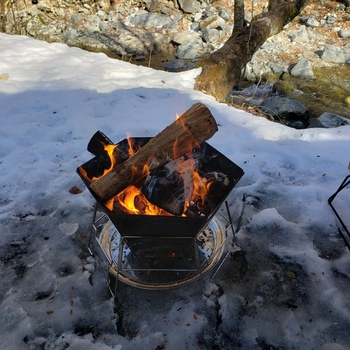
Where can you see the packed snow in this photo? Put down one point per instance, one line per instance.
(284, 286)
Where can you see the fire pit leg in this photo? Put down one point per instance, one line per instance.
(93, 229)
(229, 220)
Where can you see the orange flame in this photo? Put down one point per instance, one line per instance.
(132, 201)
(199, 186)
(109, 149)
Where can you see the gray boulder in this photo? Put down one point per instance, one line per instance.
(329, 120)
(210, 35)
(184, 37)
(300, 35)
(189, 6)
(344, 33)
(189, 50)
(335, 54)
(283, 107)
(146, 19)
(302, 69)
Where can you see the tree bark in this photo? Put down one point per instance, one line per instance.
(222, 70)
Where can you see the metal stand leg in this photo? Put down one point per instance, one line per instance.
(229, 220)
(346, 237)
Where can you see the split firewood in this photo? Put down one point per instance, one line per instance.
(184, 135)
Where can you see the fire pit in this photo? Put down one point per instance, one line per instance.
(160, 226)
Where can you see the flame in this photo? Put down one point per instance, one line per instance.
(132, 201)
(131, 150)
(198, 186)
(109, 149)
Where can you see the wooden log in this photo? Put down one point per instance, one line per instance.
(186, 133)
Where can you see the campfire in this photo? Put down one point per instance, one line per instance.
(171, 184)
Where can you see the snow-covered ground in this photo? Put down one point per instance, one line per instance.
(285, 287)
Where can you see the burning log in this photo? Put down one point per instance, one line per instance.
(184, 135)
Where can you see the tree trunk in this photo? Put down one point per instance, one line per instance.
(221, 70)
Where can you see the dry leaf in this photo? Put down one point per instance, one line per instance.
(75, 190)
(71, 302)
(49, 312)
(276, 225)
(188, 324)
(195, 316)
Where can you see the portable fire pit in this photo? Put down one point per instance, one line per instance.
(157, 218)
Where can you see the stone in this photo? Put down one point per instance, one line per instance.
(226, 14)
(44, 6)
(70, 34)
(331, 18)
(184, 37)
(335, 54)
(312, 22)
(76, 18)
(146, 19)
(212, 22)
(210, 35)
(329, 120)
(103, 26)
(188, 51)
(302, 69)
(344, 33)
(189, 6)
(277, 68)
(283, 107)
(300, 35)
(176, 66)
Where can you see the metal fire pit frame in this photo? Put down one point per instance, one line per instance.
(100, 244)
(345, 235)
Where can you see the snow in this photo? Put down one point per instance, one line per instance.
(285, 287)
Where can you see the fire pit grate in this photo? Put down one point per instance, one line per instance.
(160, 199)
(157, 262)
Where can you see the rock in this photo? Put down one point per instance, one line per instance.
(76, 18)
(329, 120)
(300, 35)
(44, 6)
(331, 18)
(344, 33)
(176, 66)
(146, 19)
(189, 6)
(189, 50)
(277, 69)
(212, 22)
(210, 35)
(302, 69)
(103, 26)
(226, 14)
(70, 35)
(283, 107)
(335, 54)
(184, 37)
(312, 22)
